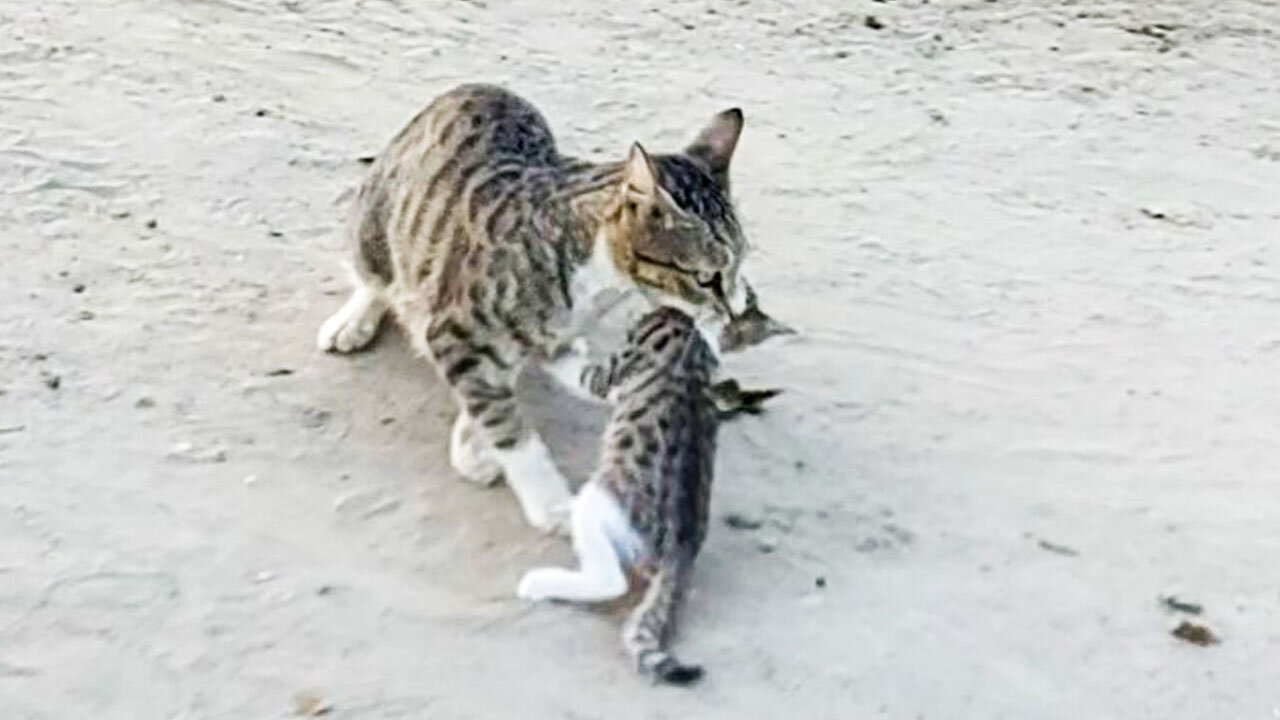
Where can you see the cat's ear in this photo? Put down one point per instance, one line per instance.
(714, 145)
(640, 176)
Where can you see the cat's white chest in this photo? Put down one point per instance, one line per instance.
(595, 288)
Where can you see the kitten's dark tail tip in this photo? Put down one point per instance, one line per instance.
(670, 671)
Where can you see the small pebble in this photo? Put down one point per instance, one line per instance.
(820, 582)
(766, 546)
(79, 288)
(188, 452)
(364, 504)
(152, 224)
(738, 521)
(873, 22)
(219, 97)
(314, 418)
(144, 402)
(260, 112)
(308, 703)
(86, 315)
(1175, 604)
(53, 382)
(1195, 634)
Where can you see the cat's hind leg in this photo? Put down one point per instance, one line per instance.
(596, 524)
(356, 324)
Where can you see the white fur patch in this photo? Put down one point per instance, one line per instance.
(710, 328)
(470, 455)
(539, 486)
(355, 324)
(604, 543)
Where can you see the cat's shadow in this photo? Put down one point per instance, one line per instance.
(571, 427)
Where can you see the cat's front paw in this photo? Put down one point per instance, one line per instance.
(552, 518)
(470, 455)
(559, 519)
(355, 325)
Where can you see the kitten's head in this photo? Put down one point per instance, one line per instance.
(671, 226)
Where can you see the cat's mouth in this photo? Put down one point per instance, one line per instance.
(712, 282)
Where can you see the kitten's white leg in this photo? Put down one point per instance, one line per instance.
(542, 491)
(570, 370)
(470, 454)
(356, 324)
(599, 576)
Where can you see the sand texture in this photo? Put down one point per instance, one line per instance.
(1032, 249)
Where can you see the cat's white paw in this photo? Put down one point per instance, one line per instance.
(470, 455)
(355, 325)
(542, 491)
(559, 519)
(551, 518)
(538, 584)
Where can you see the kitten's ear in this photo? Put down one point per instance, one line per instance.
(714, 145)
(640, 175)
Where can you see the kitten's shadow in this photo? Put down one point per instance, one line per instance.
(571, 427)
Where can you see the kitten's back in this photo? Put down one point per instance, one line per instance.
(658, 461)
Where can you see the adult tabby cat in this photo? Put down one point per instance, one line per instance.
(489, 245)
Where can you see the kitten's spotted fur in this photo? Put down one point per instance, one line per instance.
(488, 245)
(646, 507)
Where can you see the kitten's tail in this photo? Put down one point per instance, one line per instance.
(650, 625)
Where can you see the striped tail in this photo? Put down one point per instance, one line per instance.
(650, 625)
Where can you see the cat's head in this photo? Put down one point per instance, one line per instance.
(671, 226)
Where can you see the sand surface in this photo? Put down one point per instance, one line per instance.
(1033, 250)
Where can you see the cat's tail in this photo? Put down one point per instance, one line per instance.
(650, 625)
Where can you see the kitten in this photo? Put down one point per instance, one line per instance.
(646, 506)
(488, 245)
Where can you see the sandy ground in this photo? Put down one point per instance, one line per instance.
(1034, 250)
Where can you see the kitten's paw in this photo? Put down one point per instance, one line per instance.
(355, 325)
(537, 584)
(569, 366)
(579, 346)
